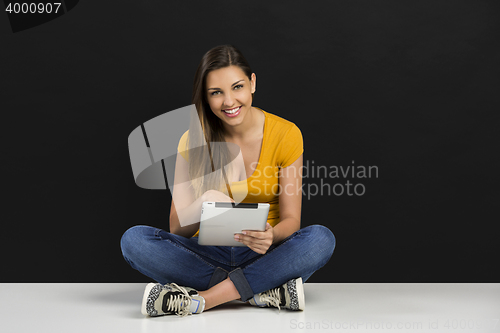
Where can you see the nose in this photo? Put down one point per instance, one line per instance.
(228, 100)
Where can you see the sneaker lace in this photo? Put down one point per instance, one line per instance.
(272, 297)
(179, 303)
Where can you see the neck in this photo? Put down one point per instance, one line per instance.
(249, 125)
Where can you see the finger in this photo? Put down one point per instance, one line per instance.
(268, 226)
(260, 249)
(243, 239)
(266, 240)
(256, 243)
(254, 234)
(246, 240)
(257, 249)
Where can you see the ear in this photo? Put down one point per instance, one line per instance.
(253, 82)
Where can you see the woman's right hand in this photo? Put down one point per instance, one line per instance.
(216, 196)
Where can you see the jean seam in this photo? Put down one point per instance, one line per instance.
(217, 259)
(188, 250)
(157, 234)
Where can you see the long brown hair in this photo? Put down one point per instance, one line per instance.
(206, 164)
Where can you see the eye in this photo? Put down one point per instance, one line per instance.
(214, 93)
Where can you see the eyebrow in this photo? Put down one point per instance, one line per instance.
(220, 88)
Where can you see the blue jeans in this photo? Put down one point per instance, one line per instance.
(168, 258)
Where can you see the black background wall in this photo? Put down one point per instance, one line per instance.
(410, 87)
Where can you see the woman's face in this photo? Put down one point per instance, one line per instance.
(229, 94)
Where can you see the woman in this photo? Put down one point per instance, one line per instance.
(271, 268)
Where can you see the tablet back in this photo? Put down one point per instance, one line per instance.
(221, 220)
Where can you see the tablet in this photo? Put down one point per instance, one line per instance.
(221, 220)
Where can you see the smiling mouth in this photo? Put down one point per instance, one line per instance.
(232, 111)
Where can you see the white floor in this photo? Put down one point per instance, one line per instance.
(342, 307)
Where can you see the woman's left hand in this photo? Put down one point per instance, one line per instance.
(258, 241)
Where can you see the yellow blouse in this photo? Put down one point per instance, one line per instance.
(281, 146)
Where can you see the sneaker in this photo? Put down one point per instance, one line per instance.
(167, 299)
(288, 296)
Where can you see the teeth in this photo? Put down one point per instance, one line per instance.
(231, 111)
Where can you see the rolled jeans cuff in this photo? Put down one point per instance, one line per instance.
(219, 275)
(240, 282)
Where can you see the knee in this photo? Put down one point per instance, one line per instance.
(323, 238)
(131, 240)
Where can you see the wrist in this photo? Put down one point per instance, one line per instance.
(275, 237)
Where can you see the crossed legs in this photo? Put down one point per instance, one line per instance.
(223, 274)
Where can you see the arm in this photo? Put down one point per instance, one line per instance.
(186, 208)
(290, 201)
(189, 230)
(185, 214)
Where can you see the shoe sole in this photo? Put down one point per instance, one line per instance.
(300, 293)
(145, 298)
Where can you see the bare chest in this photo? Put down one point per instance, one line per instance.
(250, 155)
